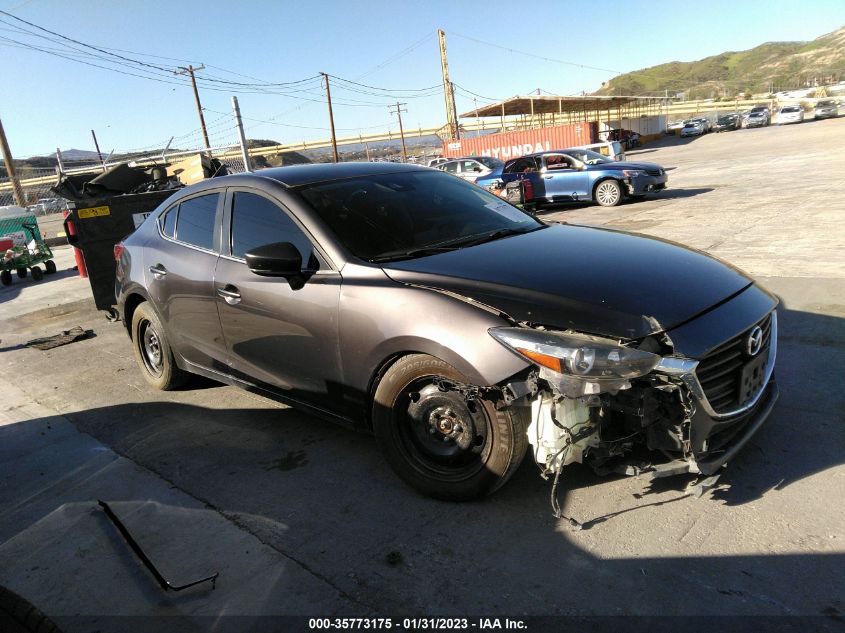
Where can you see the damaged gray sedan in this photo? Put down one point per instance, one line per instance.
(457, 328)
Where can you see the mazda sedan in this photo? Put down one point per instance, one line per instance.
(456, 327)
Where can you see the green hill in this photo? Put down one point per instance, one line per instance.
(778, 65)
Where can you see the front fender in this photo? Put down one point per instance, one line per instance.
(381, 318)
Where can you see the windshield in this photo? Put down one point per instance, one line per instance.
(411, 214)
(824, 104)
(490, 162)
(588, 156)
(791, 109)
(689, 125)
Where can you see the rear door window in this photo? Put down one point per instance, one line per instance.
(257, 221)
(522, 165)
(168, 222)
(195, 223)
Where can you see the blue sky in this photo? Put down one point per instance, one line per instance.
(48, 102)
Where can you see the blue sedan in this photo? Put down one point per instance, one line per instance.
(576, 175)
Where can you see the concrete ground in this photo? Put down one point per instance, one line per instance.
(302, 517)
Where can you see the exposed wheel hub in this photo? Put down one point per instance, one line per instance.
(443, 423)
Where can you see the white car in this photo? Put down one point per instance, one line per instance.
(692, 128)
(434, 162)
(790, 114)
(471, 168)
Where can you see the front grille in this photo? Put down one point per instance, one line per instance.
(654, 172)
(720, 372)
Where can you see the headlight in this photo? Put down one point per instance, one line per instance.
(581, 364)
(630, 173)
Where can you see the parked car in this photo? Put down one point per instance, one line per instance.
(790, 114)
(706, 125)
(612, 150)
(674, 125)
(457, 328)
(758, 116)
(826, 109)
(472, 167)
(726, 122)
(574, 175)
(437, 161)
(692, 128)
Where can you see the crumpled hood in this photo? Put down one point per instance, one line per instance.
(593, 280)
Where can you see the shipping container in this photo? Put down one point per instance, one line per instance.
(507, 145)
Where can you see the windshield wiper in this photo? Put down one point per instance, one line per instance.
(451, 245)
(498, 234)
(416, 252)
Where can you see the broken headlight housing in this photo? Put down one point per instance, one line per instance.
(578, 364)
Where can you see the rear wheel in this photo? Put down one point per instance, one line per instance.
(439, 442)
(50, 265)
(37, 273)
(152, 350)
(6, 277)
(608, 193)
(22, 272)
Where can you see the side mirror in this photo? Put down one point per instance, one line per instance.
(281, 259)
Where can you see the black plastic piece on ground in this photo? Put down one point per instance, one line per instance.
(165, 584)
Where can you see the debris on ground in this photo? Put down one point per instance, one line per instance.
(57, 340)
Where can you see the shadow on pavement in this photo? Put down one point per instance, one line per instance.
(324, 496)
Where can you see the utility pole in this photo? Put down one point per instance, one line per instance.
(99, 153)
(331, 116)
(398, 113)
(190, 71)
(10, 168)
(241, 138)
(448, 89)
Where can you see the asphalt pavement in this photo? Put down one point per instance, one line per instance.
(302, 517)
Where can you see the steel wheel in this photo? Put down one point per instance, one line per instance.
(440, 431)
(608, 193)
(150, 348)
(437, 440)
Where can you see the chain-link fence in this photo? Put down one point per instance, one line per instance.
(35, 188)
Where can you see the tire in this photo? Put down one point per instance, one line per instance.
(37, 273)
(607, 193)
(19, 616)
(412, 418)
(22, 273)
(50, 265)
(6, 277)
(152, 350)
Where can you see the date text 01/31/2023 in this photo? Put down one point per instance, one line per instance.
(415, 624)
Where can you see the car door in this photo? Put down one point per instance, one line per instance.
(526, 168)
(562, 180)
(179, 277)
(280, 336)
(472, 169)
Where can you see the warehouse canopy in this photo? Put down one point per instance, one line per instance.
(546, 104)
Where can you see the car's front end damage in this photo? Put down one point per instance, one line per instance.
(594, 400)
(638, 354)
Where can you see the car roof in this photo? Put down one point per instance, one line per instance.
(296, 175)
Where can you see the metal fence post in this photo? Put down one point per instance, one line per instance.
(241, 137)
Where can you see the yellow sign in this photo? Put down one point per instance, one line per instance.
(93, 212)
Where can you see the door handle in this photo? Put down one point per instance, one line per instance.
(230, 294)
(158, 271)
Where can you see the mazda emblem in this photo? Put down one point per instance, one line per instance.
(754, 341)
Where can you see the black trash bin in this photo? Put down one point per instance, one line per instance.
(99, 224)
